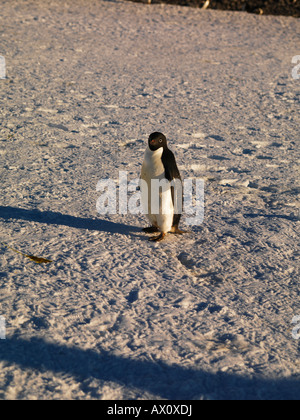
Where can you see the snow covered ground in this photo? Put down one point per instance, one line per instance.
(207, 315)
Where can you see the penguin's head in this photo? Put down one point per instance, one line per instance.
(157, 140)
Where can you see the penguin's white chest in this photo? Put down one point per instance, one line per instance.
(156, 192)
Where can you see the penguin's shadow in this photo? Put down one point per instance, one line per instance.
(54, 218)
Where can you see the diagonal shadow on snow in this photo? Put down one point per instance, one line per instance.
(55, 218)
(160, 378)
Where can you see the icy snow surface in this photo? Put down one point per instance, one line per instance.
(207, 315)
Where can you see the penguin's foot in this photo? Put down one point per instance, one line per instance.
(157, 238)
(151, 229)
(177, 231)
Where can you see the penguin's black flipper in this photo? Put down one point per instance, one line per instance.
(172, 173)
(170, 165)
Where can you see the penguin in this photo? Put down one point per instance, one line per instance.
(160, 164)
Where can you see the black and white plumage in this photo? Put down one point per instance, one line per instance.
(160, 164)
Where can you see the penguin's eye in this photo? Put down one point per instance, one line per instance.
(160, 140)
